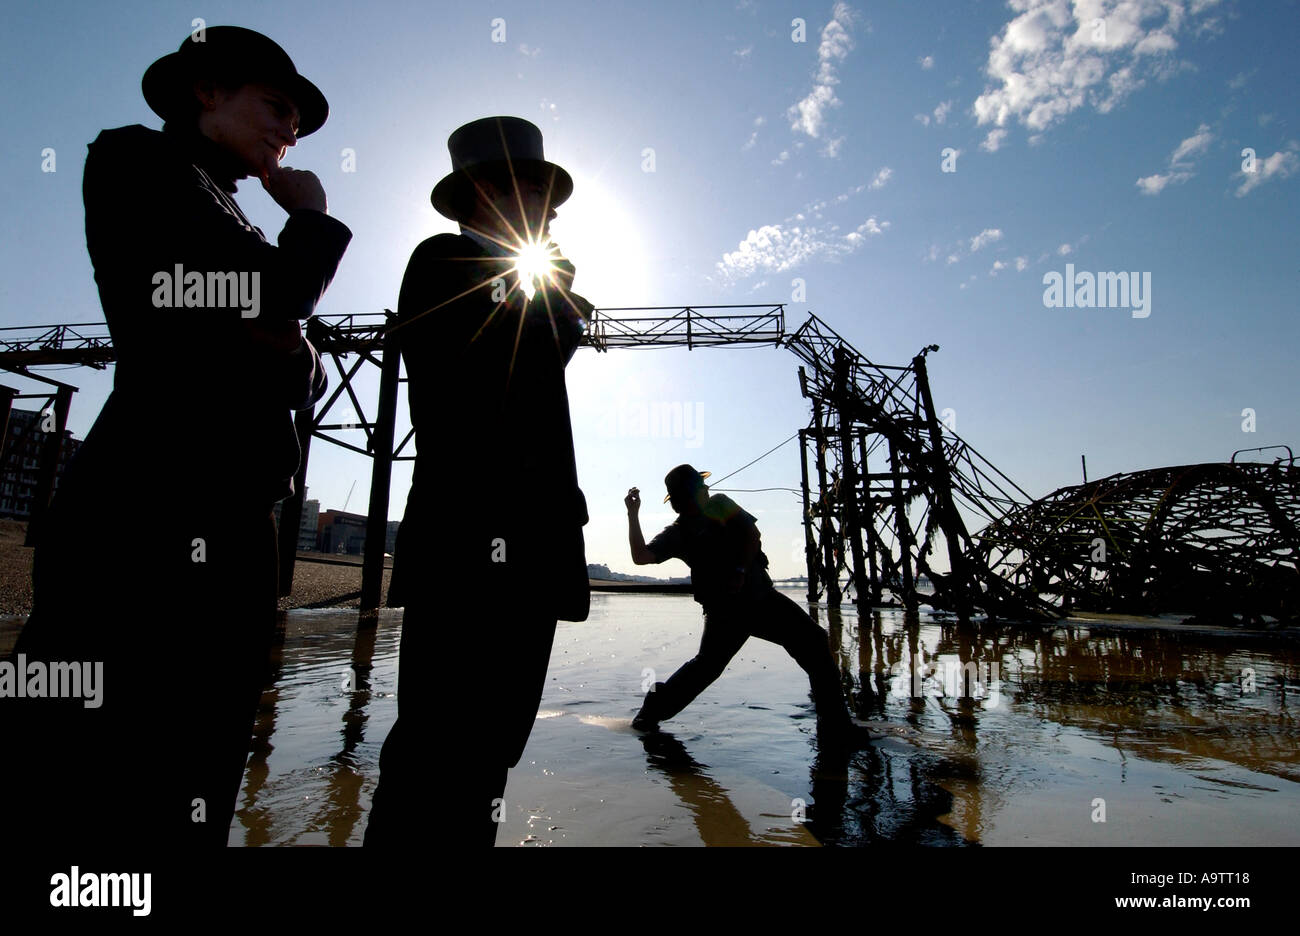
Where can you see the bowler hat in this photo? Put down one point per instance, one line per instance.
(683, 480)
(500, 149)
(229, 53)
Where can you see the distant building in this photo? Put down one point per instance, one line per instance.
(341, 532)
(307, 529)
(20, 461)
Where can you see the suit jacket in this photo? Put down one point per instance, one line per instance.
(494, 498)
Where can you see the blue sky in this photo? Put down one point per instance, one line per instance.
(1112, 145)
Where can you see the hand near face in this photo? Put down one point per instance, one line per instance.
(294, 189)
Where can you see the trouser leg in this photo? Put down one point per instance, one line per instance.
(183, 666)
(777, 619)
(467, 701)
(723, 637)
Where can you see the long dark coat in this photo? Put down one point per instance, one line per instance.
(495, 475)
(157, 556)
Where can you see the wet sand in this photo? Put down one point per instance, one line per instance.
(1154, 723)
(1171, 734)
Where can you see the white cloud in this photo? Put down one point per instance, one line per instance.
(776, 248)
(1280, 165)
(941, 112)
(926, 61)
(809, 115)
(743, 54)
(530, 51)
(1051, 59)
(832, 147)
(1179, 165)
(986, 236)
(1065, 250)
(1194, 145)
(993, 142)
(783, 158)
(997, 266)
(1021, 263)
(882, 178)
(924, 119)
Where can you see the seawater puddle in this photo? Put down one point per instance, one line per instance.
(1170, 736)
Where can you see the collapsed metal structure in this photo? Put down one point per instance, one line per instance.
(888, 485)
(1218, 538)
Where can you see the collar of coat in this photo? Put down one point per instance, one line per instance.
(223, 168)
(486, 243)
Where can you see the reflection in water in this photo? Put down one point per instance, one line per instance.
(990, 734)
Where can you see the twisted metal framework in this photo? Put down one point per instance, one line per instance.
(865, 414)
(1220, 537)
(1217, 538)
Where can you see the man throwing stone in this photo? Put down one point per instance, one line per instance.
(722, 545)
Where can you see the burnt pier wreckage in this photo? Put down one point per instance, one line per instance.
(887, 487)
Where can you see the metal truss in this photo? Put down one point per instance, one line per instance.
(1217, 538)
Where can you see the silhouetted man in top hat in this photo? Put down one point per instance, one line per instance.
(721, 543)
(490, 551)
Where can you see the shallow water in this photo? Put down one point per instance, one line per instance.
(1188, 736)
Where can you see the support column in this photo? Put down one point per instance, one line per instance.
(954, 531)
(291, 510)
(809, 543)
(372, 566)
(830, 572)
(906, 546)
(870, 525)
(7, 395)
(850, 529)
(51, 450)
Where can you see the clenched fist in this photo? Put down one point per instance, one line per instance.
(293, 189)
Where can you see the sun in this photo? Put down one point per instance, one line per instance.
(535, 260)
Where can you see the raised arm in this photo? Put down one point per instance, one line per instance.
(640, 554)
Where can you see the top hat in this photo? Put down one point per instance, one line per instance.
(230, 53)
(683, 480)
(496, 148)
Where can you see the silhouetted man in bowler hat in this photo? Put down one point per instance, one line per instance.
(490, 551)
(196, 444)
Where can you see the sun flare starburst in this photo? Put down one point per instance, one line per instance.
(534, 261)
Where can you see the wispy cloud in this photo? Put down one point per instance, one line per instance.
(1278, 166)
(1180, 166)
(926, 61)
(1054, 57)
(882, 178)
(985, 237)
(809, 115)
(776, 248)
(993, 142)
